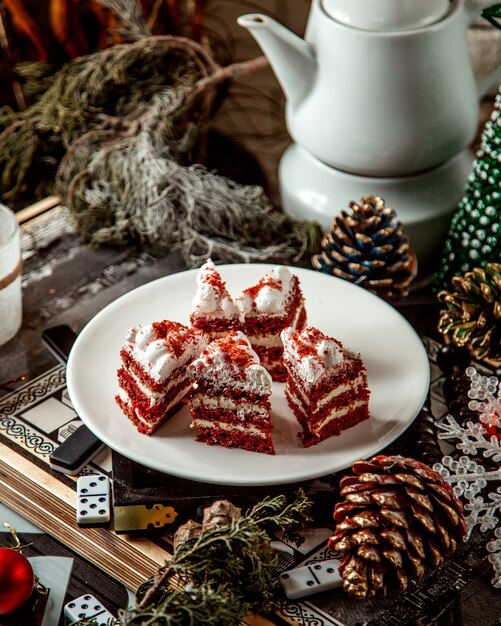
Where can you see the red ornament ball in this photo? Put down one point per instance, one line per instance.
(17, 580)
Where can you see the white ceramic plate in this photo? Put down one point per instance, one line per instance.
(395, 358)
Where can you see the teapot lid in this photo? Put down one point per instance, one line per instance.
(386, 15)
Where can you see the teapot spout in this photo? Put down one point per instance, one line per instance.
(291, 57)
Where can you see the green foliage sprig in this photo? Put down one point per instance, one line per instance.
(223, 574)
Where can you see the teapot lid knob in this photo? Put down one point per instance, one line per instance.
(386, 15)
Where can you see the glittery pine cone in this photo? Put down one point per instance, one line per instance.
(472, 317)
(398, 517)
(368, 247)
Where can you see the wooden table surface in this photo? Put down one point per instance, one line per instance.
(67, 282)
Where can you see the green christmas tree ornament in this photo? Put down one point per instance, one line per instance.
(474, 237)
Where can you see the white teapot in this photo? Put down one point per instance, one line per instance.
(387, 102)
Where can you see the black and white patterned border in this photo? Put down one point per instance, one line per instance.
(30, 394)
(307, 614)
(18, 430)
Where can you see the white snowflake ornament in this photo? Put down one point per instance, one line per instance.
(495, 557)
(469, 478)
(484, 399)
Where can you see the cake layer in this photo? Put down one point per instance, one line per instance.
(334, 393)
(264, 333)
(326, 384)
(300, 322)
(336, 420)
(215, 328)
(360, 397)
(153, 379)
(343, 407)
(214, 435)
(230, 402)
(261, 325)
(252, 431)
(316, 422)
(130, 364)
(225, 409)
(272, 361)
(261, 331)
(142, 401)
(248, 416)
(144, 421)
(215, 388)
(347, 374)
(142, 393)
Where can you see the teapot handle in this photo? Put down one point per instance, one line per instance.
(473, 7)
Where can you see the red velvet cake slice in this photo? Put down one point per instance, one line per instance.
(230, 403)
(153, 378)
(261, 312)
(276, 302)
(213, 310)
(326, 384)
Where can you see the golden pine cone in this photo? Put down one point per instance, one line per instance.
(368, 247)
(398, 516)
(472, 316)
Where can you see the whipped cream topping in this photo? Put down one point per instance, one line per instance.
(211, 296)
(231, 361)
(313, 353)
(269, 295)
(330, 353)
(160, 353)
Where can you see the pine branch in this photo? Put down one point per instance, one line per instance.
(111, 134)
(236, 555)
(276, 514)
(202, 605)
(229, 72)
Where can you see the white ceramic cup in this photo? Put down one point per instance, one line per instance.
(386, 15)
(10, 276)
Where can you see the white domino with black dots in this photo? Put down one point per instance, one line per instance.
(310, 579)
(93, 500)
(88, 607)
